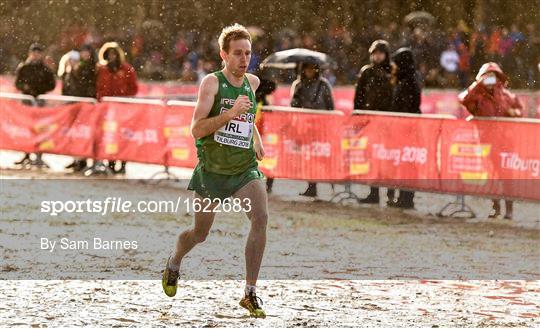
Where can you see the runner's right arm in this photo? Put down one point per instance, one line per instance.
(202, 125)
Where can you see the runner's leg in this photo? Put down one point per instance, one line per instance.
(189, 238)
(255, 191)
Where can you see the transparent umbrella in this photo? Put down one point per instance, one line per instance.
(289, 59)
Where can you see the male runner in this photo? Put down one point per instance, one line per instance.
(228, 147)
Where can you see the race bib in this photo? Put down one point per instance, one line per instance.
(236, 132)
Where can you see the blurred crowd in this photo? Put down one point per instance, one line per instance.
(445, 59)
(400, 65)
(84, 74)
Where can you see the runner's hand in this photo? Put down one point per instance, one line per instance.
(259, 151)
(241, 105)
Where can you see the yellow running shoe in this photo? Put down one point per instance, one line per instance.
(169, 280)
(251, 303)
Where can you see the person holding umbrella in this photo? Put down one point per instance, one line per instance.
(311, 91)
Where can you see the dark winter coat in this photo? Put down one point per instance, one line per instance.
(312, 94)
(374, 88)
(80, 82)
(34, 78)
(407, 94)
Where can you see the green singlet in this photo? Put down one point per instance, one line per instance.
(227, 160)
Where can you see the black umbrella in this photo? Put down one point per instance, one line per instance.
(288, 59)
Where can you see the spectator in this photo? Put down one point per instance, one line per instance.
(488, 97)
(531, 53)
(86, 72)
(516, 35)
(374, 92)
(78, 73)
(450, 62)
(115, 77)
(311, 91)
(153, 67)
(493, 44)
(464, 64)
(478, 46)
(505, 48)
(158, 59)
(34, 78)
(406, 98)
(266, 87)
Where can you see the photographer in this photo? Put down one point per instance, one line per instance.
(488, 97)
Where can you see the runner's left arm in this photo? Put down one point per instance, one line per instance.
(257, 141)
(257, 144)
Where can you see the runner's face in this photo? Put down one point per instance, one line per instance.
(238, 57)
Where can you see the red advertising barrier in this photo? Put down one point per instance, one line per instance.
(16, 127)
(67, 129)
(302, 145)
(490, 157)
(483, 157)
(181, 150)
(392, 150)
(132, 132)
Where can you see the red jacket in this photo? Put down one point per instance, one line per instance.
(479, 101)
(120, 83)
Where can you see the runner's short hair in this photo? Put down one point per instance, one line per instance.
(230, 33)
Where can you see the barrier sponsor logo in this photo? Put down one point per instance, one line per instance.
(357, 148)
(76, 132)
(110, 127)
(354, 143)
(176, 141)
(406, 154)
(468, 157)
(309, 150)
(512, 161)
(270, 160)
(140, 137)
(46, 145)
(43, 128)
(15, 131)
